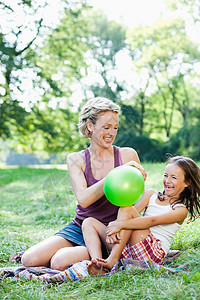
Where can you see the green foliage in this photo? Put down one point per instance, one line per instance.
(159, 46)
(162, 114)
(54, 130)
(148, 149)
(189, 135)
(106, 39)
(61, 57)
(54, 65)
(166, 101)
(12, 116)
(190, 7)
(167, 54)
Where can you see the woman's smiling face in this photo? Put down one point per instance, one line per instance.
(104, 131)
(174, 180)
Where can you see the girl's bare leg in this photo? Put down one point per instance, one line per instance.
(94, 232)
(136, 235)
(123, 214)
(133, 237)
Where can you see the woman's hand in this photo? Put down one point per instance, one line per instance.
(114, 228)
(133, 163)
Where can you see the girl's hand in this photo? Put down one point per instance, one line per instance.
(114, 228)
(133, 163)
(113, 239)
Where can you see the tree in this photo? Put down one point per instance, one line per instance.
(54, 132)
(61, 58)
(169, 56)
(190, 7)
(50, 60)
(12, 52)
(106, 40)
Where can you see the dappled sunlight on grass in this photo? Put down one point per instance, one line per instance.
(187, 236)
(16, 239)
(36, 194)
(8, 216)
(19, 187)
(49, 166)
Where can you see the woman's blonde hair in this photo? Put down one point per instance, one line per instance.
(91, 111)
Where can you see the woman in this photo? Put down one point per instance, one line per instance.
(98, 120)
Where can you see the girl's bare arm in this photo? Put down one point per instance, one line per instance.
(177, 215)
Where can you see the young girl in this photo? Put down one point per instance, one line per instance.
(148, 236)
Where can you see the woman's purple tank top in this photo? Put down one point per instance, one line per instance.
(102, 209)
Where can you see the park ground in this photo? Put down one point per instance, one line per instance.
(37, 202)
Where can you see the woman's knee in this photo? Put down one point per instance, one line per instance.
(69, 255)
(57, 263)
(29, 259)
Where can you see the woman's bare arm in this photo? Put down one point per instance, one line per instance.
(84, 195)
(88, 195)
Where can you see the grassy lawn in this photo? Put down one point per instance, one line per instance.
(37, 202)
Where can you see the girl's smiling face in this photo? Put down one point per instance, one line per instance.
(104, 131)
(174, 180)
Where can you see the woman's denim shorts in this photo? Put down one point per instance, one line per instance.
(72, 233)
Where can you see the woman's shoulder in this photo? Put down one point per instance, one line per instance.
(128, 154)
(76, 158)
(126, 149)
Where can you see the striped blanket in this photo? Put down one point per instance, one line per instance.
(77, 271)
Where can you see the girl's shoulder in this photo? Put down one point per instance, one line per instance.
(151, 193)
(180, 205)
(144, 200)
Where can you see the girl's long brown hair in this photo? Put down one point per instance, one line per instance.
(190, 196)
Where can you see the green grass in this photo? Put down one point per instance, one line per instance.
(36, 202)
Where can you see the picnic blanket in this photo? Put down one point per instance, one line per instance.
(78, 271)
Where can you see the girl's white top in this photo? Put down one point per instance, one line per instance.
(165, 232)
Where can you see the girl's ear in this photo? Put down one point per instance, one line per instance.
(188, 183)
(89, 126)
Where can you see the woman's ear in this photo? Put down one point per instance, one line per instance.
(89, 126)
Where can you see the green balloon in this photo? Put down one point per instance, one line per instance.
(124, 185)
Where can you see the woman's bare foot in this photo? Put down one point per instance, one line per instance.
(98, 267)
(16, 257)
